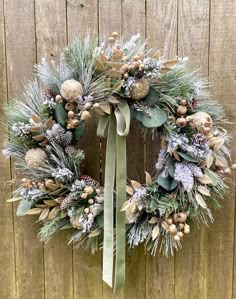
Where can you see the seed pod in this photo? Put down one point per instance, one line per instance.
(181, 217)
(88, 190)
(186, 230)
(88, 106)
(114, 34)
(58, 99)
(90, 201)
(111, 39)
(176, 238)
(184, 102)
(140, 89)
(169, 221)
(182, 110)
(86, 210)
(85, 115)
(71, 114)
(181, 122)
(180, 234)
(84, 195)
(172, 229)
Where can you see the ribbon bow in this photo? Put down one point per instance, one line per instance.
(116, 127)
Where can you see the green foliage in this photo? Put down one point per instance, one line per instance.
(79, 131)
(61, 114)
(23, 207)
(157, 119)
(152, 98)
(168, 183)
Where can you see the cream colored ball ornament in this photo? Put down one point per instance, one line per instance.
(35, 157)
(70, 90)
(140, 89)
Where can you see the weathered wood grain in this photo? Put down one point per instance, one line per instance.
(82, 18)
(161, 21)
(161, 34)
(219, 238)
(110, 19)
(203, 30)
(51, 37)
(21, 56)
(133, 22)
(193, 39)
(7, 254)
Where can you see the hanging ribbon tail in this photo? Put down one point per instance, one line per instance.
(108, 242)
(122, 114)
(116, 127)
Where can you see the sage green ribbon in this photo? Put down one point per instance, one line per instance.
(117, 123)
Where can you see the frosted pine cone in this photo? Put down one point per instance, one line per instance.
(59, 135)
(89, 181)
(184, 175)
(66, 202)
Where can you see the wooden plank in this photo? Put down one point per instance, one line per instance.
(7, 254)
(133, 21)
(51, 37)
(162, 34)
(219, 238)
(109, 20)
(193, 38)
(21, 55)
(82, 18)
(162, 26)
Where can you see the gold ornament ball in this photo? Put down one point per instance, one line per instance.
(74, 123)
(124, 68)
(125, 58)
(182, 110)
(181, 225)
(35, 157)
(180, 234)
(227, 171)
(169, 221)
(140, 89)
(233, 166)
(71, 90)
(181, 122)
(85, 115)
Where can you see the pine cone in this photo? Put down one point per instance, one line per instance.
(89, 181)
(66, 202)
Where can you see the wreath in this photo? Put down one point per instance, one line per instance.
(120, 81)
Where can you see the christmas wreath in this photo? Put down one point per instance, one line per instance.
(119, 80)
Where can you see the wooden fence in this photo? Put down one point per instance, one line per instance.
(204, 30)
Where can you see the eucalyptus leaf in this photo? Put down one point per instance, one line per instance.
(158, 118)
(152, 98)
(212, 176)
(78, 132)
(61, 114)
(166, 182)
(186, 157)
(171, 168)
(66, 226)
(23, 207)
(100, 220)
